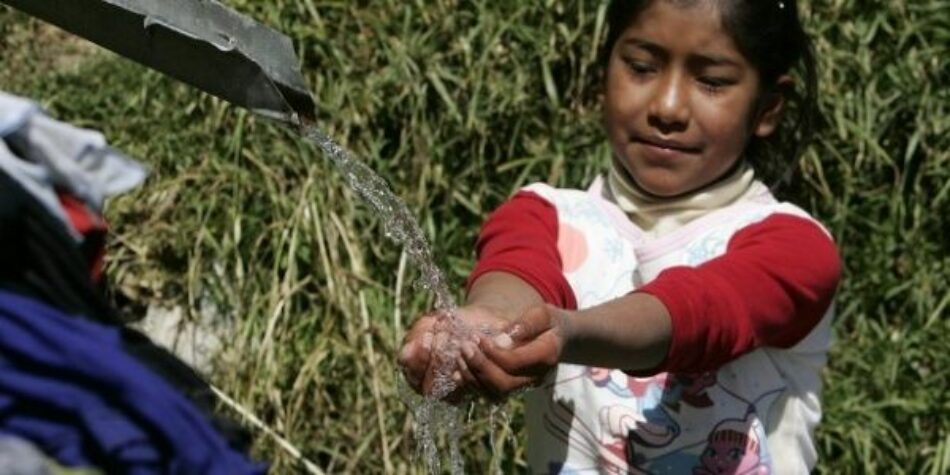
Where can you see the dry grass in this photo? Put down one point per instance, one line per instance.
(457, 104)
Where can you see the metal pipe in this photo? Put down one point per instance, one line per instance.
(199, 42)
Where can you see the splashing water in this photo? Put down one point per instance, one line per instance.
(398, 222)
(401, 226)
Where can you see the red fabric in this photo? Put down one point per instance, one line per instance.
(92, 227)
(770, 288)
(520, 238)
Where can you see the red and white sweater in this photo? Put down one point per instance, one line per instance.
(749, 288)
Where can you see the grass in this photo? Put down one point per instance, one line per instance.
(457, 104)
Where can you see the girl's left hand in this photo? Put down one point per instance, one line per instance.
(519, 357)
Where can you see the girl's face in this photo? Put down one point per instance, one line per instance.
(681, 101)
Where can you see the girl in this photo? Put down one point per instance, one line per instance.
(674, 317)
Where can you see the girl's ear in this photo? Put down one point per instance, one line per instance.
(772, 106)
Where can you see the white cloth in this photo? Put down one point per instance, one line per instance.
(43, 154)
(19, 457)
(755, 414)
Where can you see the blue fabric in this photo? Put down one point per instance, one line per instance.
(67, 386)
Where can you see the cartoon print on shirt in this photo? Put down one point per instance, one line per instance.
(649, 422)
(559, 421)
(705, 249)
(733, 448)
(619, 422)
(604, 443)
(715, 243)
(613, 248)
(690, 388)
(653, 426)
(660, 427)
(649, 418)
(603, 378)
(640, 432)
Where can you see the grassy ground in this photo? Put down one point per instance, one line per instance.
(457, 104)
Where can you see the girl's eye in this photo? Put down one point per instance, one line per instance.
(713, 83)
(639, 67)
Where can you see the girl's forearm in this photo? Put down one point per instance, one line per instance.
(632, 333)
(506, 295)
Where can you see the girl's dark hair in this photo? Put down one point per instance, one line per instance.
(769, 34)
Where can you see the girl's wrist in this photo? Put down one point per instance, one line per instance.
(630, 332)
(567, 330)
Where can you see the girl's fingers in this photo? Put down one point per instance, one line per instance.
(423, 324)
(465, 375)
(415, 360)
(492, 378)
(460, 393)
(471, 382)
(416, 347)
(535, 321)
(465, 383)
(441, 365)
(532, 359)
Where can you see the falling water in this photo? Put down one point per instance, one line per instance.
(401, 226)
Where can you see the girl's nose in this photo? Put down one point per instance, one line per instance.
(669, 111)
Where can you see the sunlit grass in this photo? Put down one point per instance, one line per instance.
(457, 104)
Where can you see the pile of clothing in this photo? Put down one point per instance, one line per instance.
(80, 392)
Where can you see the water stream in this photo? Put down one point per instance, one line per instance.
(400, 225)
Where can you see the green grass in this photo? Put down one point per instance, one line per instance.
(457, 104)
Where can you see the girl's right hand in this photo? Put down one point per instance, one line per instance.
(415, 355)
(433, 345)
(520, 356)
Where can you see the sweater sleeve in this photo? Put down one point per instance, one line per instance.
(771, 287)
(520, 238)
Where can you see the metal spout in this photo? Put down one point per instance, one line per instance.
(200, 42)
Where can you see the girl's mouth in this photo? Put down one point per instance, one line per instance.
(666, 144)
(662, 149)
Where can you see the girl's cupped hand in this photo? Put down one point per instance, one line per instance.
(432, 349)
(518, 357)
